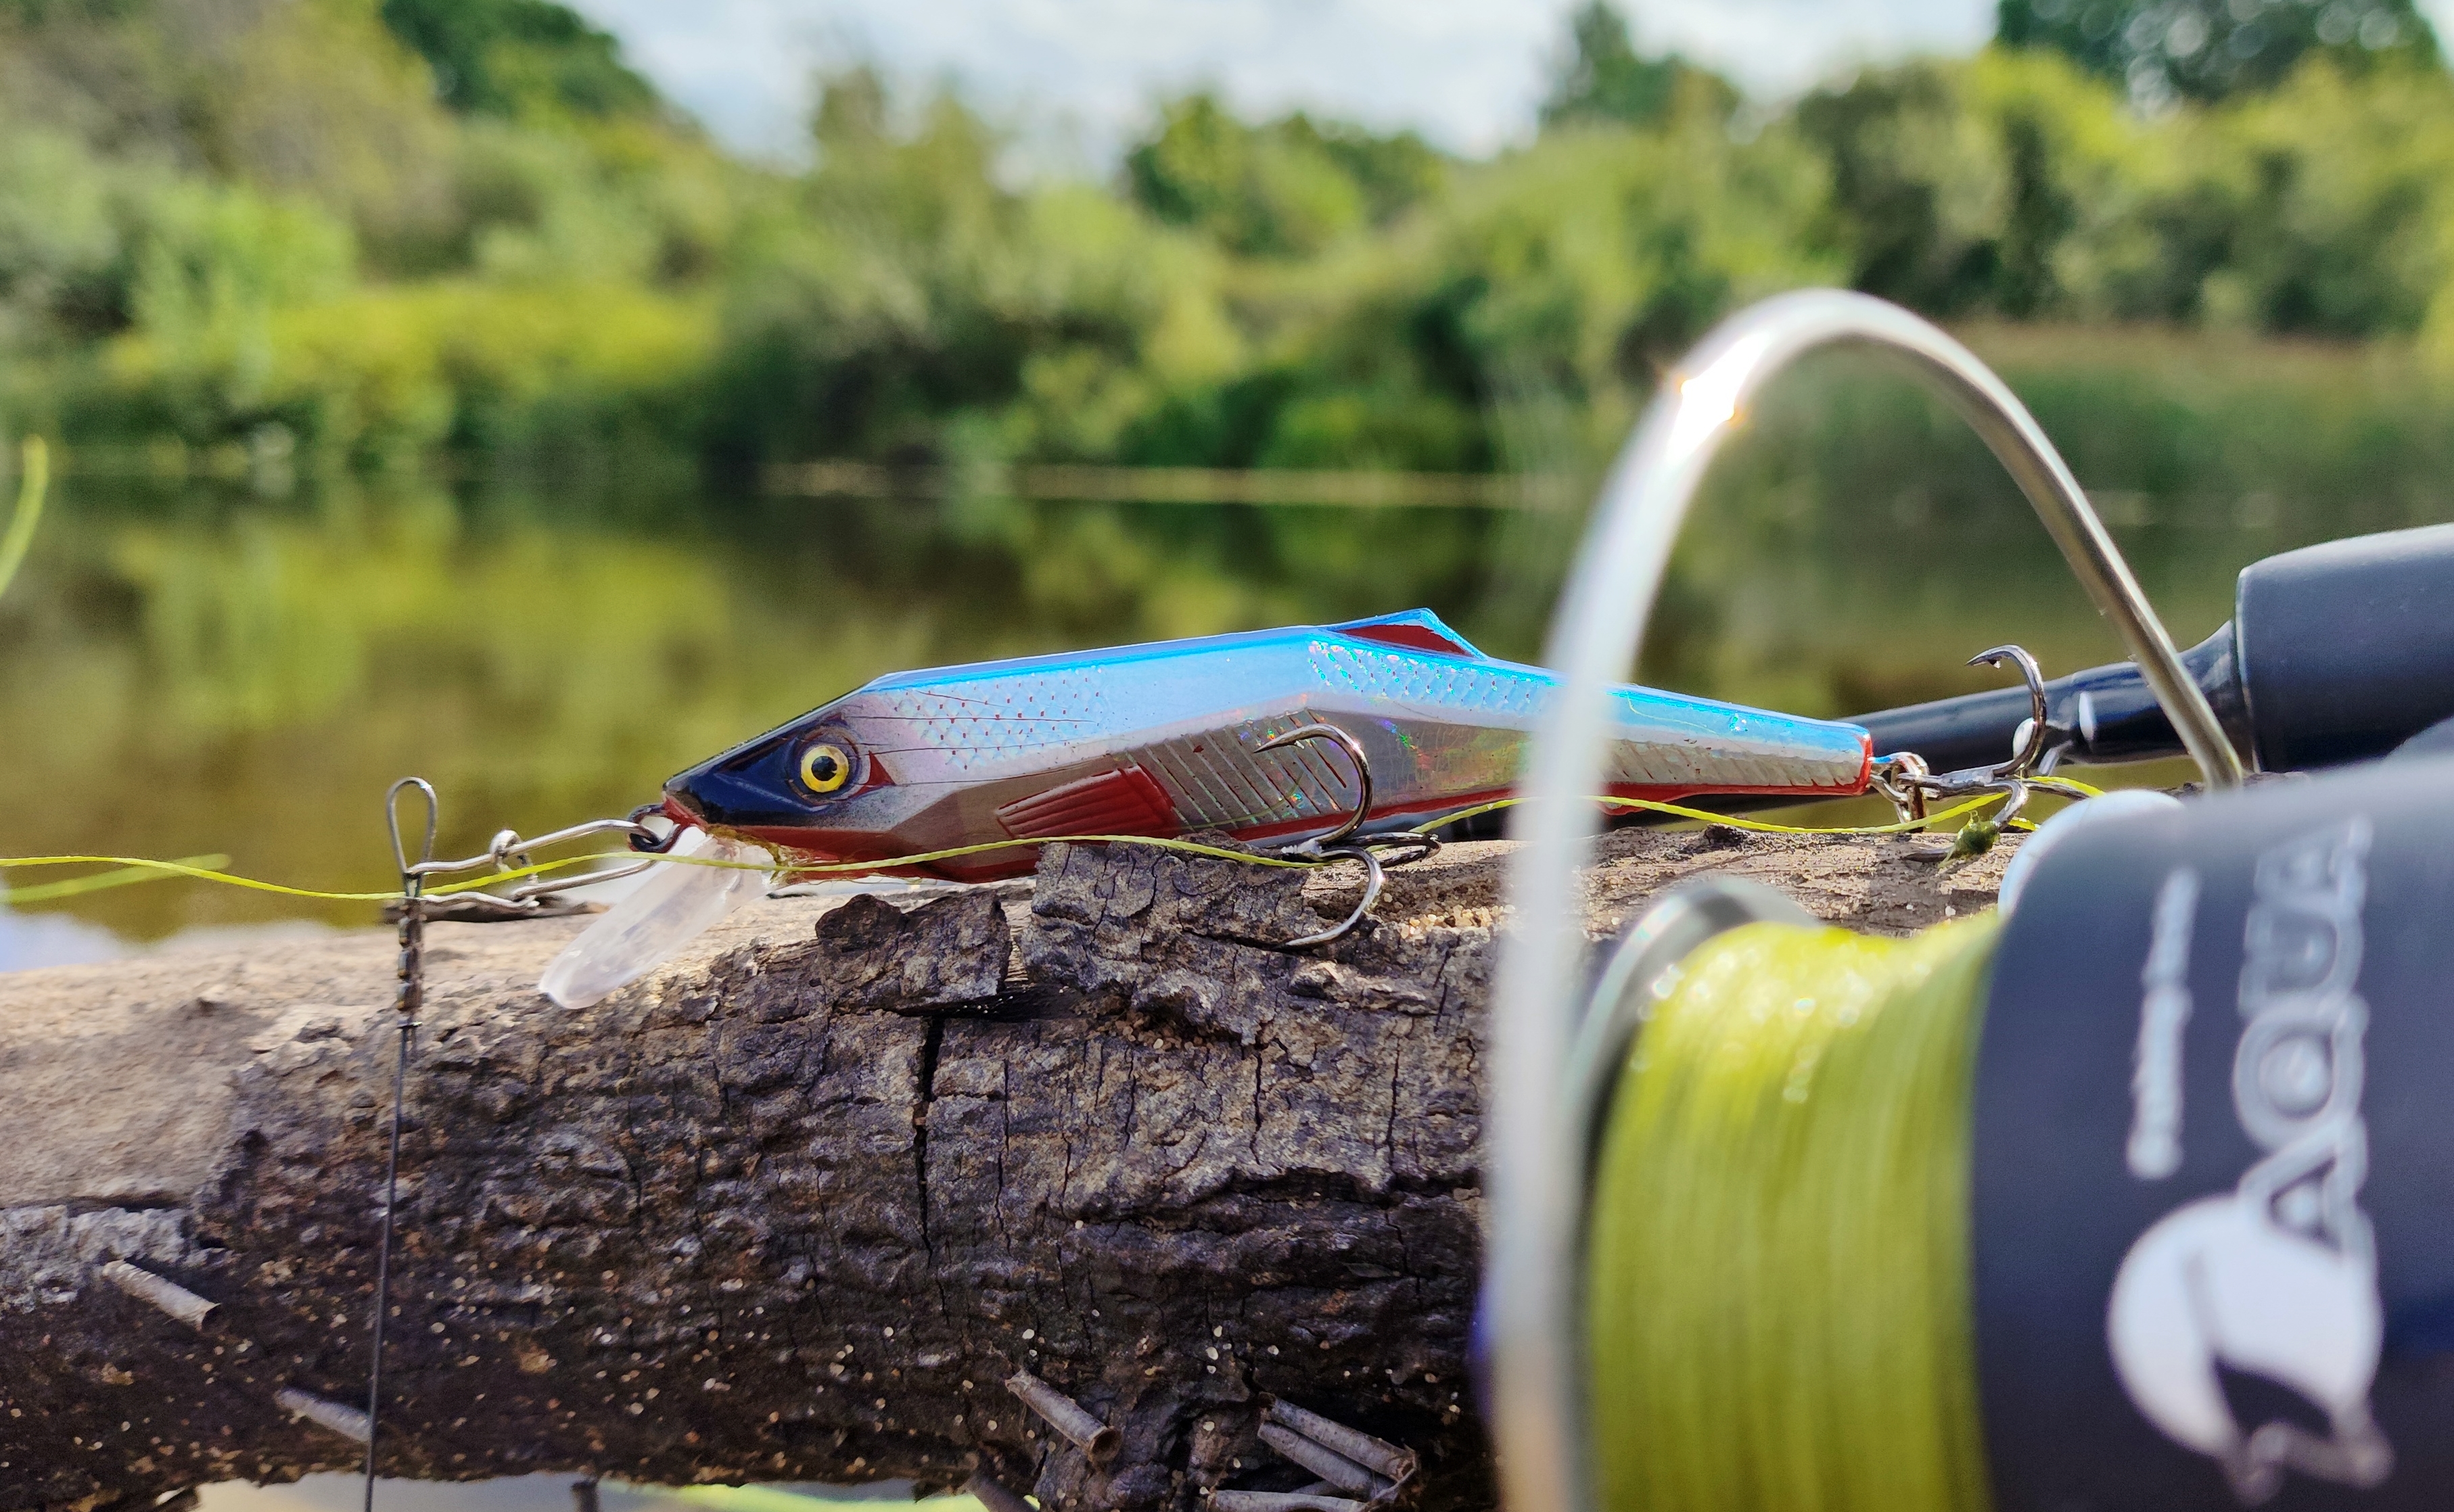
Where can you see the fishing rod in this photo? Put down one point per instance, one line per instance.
(2125, 1196)
(2335, 653)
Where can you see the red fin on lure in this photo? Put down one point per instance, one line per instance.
(1125, 802)
(1414, 630)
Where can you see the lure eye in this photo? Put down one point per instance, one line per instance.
(825, 769)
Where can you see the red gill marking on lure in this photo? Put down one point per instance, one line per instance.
(1125, 802)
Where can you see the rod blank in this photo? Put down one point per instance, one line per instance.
(1097, 1441)
(170, 1296)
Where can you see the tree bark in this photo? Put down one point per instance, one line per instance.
(796, 1206)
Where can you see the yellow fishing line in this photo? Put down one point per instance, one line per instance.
(103, 882)
(1760, 825)
(34, 482)
(1776, 1274)
(207, 873)
(197, 873)
(518, 873)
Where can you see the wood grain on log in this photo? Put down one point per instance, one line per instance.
(796, 1208)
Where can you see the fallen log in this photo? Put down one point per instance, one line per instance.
(798, 1207)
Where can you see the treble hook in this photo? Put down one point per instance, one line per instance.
(1353, 748)
(2023, 761)
(1373, 878)
(1327, 847)
(1903, 779)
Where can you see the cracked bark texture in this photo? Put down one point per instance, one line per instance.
(796, 1206)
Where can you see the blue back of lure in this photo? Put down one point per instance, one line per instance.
(1160, 740)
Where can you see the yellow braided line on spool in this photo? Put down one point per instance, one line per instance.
(1777, 1277)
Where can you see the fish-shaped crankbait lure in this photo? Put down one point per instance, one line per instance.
(1166, 740)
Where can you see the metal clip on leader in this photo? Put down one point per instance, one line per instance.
(1531, 1316)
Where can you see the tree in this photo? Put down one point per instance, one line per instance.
(2166, 50)
(1604, 77)
(1285, 188)
(509, 57)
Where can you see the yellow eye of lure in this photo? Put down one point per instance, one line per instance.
(825, 769)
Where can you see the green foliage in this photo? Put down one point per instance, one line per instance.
(58, 238)
(2164, 50)
(1605, 79)
(215, 219)
(388, 375)
(210, 255)
(518, 58)
(899, 284)
(380, 227)
(1955, 186)
(2014, 185)
(1288, 189)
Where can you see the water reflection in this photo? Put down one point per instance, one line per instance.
(29, 940)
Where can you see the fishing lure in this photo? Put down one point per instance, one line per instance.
(1165, 740)
(1173, 738)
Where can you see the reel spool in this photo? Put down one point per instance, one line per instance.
(2210, 1259)
(1684, 918)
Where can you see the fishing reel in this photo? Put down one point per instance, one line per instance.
(2113, 1311)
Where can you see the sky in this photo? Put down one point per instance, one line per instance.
(1082, 74)
(1077, 78)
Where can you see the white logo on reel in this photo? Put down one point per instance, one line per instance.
(2278, 1279)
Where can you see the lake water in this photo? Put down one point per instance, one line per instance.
(241, 666)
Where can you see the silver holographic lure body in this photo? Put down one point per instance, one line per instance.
(1163, 740)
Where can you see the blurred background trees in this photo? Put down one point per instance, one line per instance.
(384, 231)
(2205, 49)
